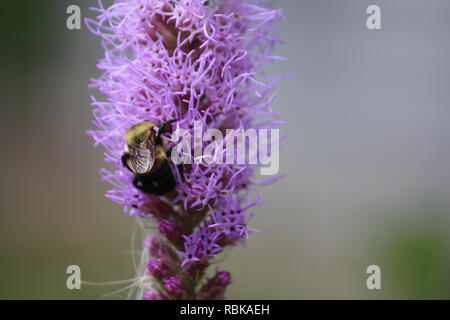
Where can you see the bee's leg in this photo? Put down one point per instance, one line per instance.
(181, 170)
(162, 129)
(125, 158)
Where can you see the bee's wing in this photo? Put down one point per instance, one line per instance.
(142, 157)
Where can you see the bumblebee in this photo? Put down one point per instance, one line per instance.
(146, 158)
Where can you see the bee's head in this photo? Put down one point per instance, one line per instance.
(139, 133)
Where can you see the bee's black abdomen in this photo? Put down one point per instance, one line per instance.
(158, 183)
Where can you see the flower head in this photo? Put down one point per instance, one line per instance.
(187, 62)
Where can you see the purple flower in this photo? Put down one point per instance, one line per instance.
(187, 61)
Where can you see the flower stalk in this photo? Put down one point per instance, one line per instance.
(178, 62)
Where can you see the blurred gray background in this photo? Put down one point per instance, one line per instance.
(366, 161)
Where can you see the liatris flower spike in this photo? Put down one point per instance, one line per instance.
(183, 64)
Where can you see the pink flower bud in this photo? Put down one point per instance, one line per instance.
(173, 287)
(159, 269)
(154, 295)
(169, 229)
(214, 289)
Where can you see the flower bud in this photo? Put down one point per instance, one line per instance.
(159, 269)
(214, 289)
(157, 248)
(158, 208)
(154, 295)
(169, 229)
(153, 244)
(195, 269)
(223, 278)
(173, 287)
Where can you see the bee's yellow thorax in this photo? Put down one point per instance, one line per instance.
(139, 133)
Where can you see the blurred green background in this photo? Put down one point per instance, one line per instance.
(367, 159)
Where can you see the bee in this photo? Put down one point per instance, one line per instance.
(146, 158)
